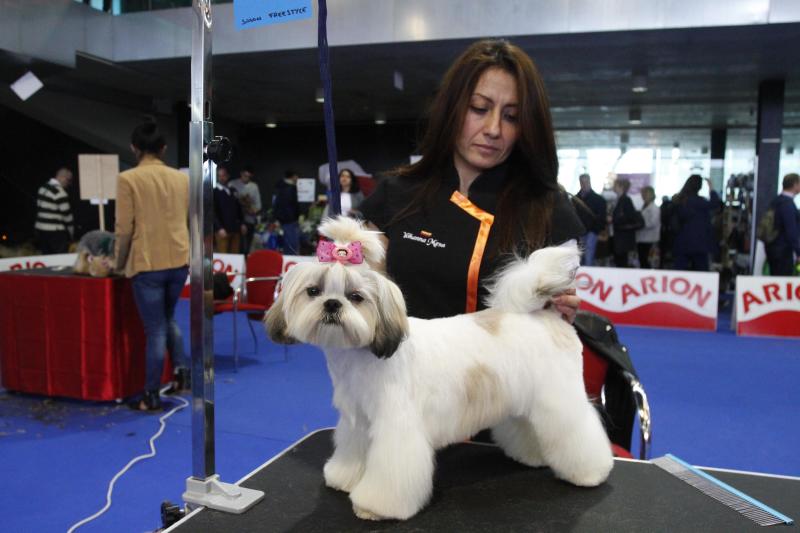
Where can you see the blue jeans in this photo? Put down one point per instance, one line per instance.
(291, 238)
(589, 248)
(156, 294)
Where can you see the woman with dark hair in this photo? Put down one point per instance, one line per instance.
(351, 195)
(484, 190)
(152, 248)
(691, 221)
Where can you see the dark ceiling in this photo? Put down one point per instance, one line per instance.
(697, 78)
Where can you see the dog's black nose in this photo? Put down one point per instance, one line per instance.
(331, 306)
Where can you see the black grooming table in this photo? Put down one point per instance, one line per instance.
(478, 489)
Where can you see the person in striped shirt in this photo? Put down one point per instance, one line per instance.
(54, 224)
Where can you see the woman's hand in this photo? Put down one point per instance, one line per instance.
(567, 304)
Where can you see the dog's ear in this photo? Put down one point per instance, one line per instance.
(392, 326)
(275, 317)
(275, 323)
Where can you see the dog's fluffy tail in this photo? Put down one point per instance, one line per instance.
(526, 285)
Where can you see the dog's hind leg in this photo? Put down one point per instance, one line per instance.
(398, 480)
(346, 466)
(572, 438)
(516, 437)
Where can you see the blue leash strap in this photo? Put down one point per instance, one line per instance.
(334, 196)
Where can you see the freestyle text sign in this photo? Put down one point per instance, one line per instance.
(768, 306)
(252, 13)
(658, 298)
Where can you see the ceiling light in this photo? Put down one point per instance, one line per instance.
(639, 84)
(320, 97)
(271, 125)
(380, 119)
(635, 116)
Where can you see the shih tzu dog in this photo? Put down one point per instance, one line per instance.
(405, 387)
(95, 254)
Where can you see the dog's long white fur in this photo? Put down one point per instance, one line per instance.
(515, 367)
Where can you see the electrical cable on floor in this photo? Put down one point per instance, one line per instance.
(163, 425)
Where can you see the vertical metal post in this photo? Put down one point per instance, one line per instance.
(201, 234)
(769, 132)
(204, 487)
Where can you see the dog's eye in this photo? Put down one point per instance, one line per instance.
(355, 297)
(313, 291)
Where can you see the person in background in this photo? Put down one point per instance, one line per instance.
(667, 237)
(484, 190)
(597, 205)
(152, 248)
(784, 252)
(250, 200)
(691, 222)
(648, 236)
(286, 210)
(623, 220)
(351, 197)
(228, 221)
(54, 224)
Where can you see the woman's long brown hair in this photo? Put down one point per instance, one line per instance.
(525, 204)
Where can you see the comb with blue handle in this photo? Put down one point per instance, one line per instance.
(751, 508)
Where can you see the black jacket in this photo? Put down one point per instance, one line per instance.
(227, 210)
(787, 225)
(285, 206)
(624, 220)
(597, 204)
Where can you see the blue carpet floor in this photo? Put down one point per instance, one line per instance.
(716, 400)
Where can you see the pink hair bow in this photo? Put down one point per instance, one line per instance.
(329, 251)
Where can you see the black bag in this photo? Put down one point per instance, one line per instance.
(766, 230)
(598, 333)
(222, 287)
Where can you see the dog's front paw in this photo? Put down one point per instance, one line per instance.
(363, 514)
(341, 476)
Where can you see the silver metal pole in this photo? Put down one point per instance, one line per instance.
(204, 488)
(201, 232)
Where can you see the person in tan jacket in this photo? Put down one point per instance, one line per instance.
(152, 248)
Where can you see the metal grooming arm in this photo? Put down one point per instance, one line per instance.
(204, 487)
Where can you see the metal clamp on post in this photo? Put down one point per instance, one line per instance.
(218, 150)
(204, 488)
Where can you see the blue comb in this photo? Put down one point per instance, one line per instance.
(751, 508)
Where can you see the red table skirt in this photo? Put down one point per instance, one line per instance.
(69, 335)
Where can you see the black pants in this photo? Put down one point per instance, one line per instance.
(621, 259)
(781, 261)
(247, 238)
(53, 242)
(643, 248)
(694, 262)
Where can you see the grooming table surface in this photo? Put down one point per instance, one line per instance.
(478, 489)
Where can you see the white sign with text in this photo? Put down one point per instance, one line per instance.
(768, 306)
(656, 298)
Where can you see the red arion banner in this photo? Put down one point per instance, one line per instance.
(768, 306)
(654, 298)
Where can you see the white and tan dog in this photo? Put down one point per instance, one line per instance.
(405, 387)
